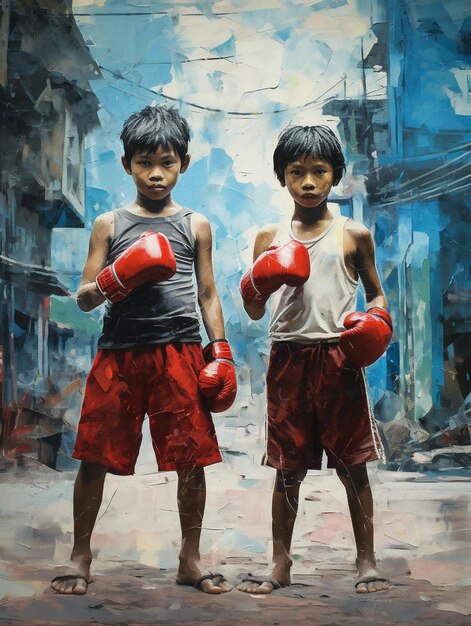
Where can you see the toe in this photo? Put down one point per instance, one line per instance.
(207, 586)
(264, 588)
(226, 586)
(256, 588)
(378, 585)
(69, 585)
(215, 585)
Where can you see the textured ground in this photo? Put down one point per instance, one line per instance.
(423, 544)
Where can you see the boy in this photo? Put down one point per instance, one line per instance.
(316, 393)
(141, 260)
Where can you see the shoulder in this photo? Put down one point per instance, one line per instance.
(103, 224)
(201, 230)
(266, 234)
(357, 229)
(358, 233)
(198, 219)
(358, 243)
(264, 239)
(199, 224)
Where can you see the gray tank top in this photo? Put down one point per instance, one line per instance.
(164, 312)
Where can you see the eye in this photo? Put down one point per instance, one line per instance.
(144, 163)
(320, 172)
(169, 163)
(296, 172)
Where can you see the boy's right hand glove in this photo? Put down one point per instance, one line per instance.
(217, 379)
(150, 258)
(367, 336)
(288, 264)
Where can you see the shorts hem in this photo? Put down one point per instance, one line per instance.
(129, 471)
(283, 465)
(99, 460)
(169, 467)
(365, 456)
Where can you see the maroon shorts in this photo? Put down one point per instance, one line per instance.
(316, 402)
(160, 380)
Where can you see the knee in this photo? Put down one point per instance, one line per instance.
(354, 478)
(289, 480)
(90, 471)
(192, 478)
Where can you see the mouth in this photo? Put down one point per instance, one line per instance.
(156, 187)
(309, 195)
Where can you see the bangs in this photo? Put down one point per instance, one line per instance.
(313, 141)
(153, 127)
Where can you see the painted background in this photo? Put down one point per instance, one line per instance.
(392, 78)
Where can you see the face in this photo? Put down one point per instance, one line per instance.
(309, 180)
(155, 174)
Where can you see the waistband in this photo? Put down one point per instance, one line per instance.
(126, 332)
(313, 342)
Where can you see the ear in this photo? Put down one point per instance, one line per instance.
(281, 180)
(125, 165)
(185, 163)
(281, 177)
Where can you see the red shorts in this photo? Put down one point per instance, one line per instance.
(316, 402)
(160, 380)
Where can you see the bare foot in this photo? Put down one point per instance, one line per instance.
(76, 581)
(267, 581)
(369, 579)
(195, 576)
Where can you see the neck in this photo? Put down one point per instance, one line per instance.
(311, 216)
(153, 206)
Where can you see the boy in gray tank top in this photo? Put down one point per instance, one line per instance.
(142, 260)
(309, 267)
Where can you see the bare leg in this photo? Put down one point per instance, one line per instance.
(191, 494)
(284, 510)
(88, 494)
(360, 504)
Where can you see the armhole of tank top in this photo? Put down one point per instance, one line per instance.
(189, 213)
(343, 223)
(283, 233)
(113, 235)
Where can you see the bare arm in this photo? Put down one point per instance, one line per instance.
(208, 298)
(366, 268)
(88, 294)
(263, 241)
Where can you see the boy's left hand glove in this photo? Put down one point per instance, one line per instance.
(367, 336)
(217, 379)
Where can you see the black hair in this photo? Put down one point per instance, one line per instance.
(319, 141)
(152, 127)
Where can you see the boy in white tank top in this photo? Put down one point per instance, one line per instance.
(317, 402)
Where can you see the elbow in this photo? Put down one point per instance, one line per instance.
(83, 305)
(207, 299)
(255, 313)
(85, 302)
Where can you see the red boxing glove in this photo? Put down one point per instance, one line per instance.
(217, 379)
(150, 258)
(288, 264)
(367, 336)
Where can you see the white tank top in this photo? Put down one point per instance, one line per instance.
(315, 311)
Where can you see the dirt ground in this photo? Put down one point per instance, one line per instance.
(423, 533)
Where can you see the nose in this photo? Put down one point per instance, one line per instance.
(308, 183)
(156, 174)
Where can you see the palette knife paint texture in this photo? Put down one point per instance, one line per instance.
(392, 79)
